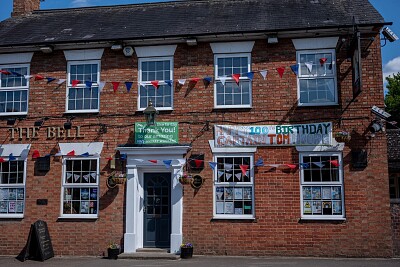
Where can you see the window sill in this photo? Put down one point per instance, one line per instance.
(77, 218)
(322, 220)
(11, 216)
(233, 219)
(232, 107)
(81, 111)
(395, 201)
(307, 105)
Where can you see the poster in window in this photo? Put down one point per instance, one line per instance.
(316, 207)
(220, 207)
(12, 194)
(3, 206)
(307, 207)
(20, 206)
(3, 194)
(219, 193)
(93, 194)
(336, 194)
(85, 207)
(337, 207)
(85, 193)
(307, 192)
(247, 193)
(326, 192)
(228, 207)
(11, 207)
(238, 211)
(327, 208)
(238, 193)
(228, 193)
(20, 193)
(316, 192)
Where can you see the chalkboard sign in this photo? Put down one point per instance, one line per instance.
(39, 244)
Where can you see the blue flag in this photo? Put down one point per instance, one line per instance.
(169, 82)
(122, 157)
(295, 69)
(212, 164)
(250, 75)
(85, 155)
(259, 163)
(16, 74)
(167, 163)
(128, 86)
(11, 157)
(305, 165)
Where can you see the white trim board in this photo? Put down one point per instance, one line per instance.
(16, 58)
(155, 51)
(232, 47)
(83, 54)
(315, 43)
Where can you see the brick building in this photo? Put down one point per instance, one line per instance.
(250, 97)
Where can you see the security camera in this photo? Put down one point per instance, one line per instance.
(389, 34)
(380, 112)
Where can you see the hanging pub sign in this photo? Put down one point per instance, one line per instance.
(274, 135)
(161, 133)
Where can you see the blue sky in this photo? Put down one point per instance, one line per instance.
(390, 10)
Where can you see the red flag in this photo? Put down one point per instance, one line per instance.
(334, 162)
(110, 158)
(73, 82)
(322, 60)
(291, 166)
(281, 70)
(5, 72)
(153, 161)
(194, 80)
(38, 77)
(2, 160)
(155, 84)
(198, 162)
(71, 153)
(35, 154)
(115, 86)
(244, 168)
(236, 78)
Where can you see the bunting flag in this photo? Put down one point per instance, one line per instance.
(335, 162)
(236, 77)
(274, 165)
(76, 177)
(281, 70)
(2, 160)
(74, 82)
(264, 73)
(228, 166)
(330, 66)
(93, 174)
(71, 153)
(153, 161)
(86, 154)
(123, 156)
(207, 81)
(228, 176)
(5, 72)
(101, 85)
(220, 173)
(305, 165)
(50, 79)
(115, 86)
(295, 69)
(309, 66)
(239, 176)
(35, 154)
(212, 165)
(223, 79)
(291, 166)
(11, 157)
(61, 81)
(17, 74)
(259, 163)
(86, 177)
(169, 82)
(319, 164)
(128, 86)
(88, 84)
(28, 76)
(198, 163)
(58, 154)
(167, 163)
(194, 80)
(38, 77)
(181, 81)
(155, 84)
(250, 75)
(322, 60)
(109, 158)
(244, 168)
(69, 175)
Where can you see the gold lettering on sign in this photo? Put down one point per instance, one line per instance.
(51, 132)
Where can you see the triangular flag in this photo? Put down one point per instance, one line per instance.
(212, 165)
(334, 162)
(322, 60)
(239, 176)
(58, 154)
(207, 81)
(143, 84)
(2, 160)
(228, 176)
(61, 81)
(264, 73)
(273, 165)
(182, 161)
(86, 154)
(76, 177)
(236, 77)
(259, 163)
(16, 74)
(38, 77)
(50, 79)
(73, 82)
(305, 165)
(11, 157)
(280, 70)
(228, 166)
(309, 66)
(93, 174)
(35, 154)
(169, 82)
(115, 86)
(123, 156)
(220, 173)
(319, 164)
(181, 81)
(155, 84)
(295, 69)
(223, 79)
(88, 84)
(109, 158)
(250, 75)
(244, 168)
(128, 86)
(198, 163)
(101, 86)
(28, 76)
(86, 177)
(5, 72)
(167, 163)
(71, 153)
(69, 175)
(153, 161)
(291, 166)
(194, 80)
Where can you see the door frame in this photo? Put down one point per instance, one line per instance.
(137, 164)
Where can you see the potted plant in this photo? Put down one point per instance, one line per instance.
(342, 136)
(113, 251)
(186, 250)
(185, 179)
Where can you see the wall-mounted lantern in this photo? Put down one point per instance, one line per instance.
(150, 114)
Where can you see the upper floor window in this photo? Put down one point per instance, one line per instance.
(316, 81)
(232, 58)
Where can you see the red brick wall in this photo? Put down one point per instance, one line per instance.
(24, 7)
(395, 211)
(276, 230)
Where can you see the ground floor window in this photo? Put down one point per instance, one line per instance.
(234, 187)
(321, 185)
(394, 185)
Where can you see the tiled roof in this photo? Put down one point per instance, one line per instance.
(182, 18)
(393, 140)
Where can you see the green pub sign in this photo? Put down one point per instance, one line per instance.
(162, 133)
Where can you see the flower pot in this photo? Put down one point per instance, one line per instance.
(113, 253)
(186, 253)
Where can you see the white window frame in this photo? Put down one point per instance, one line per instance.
(64, 184)
(307, 76)
(233, 184)
(332, 183)
(229, 79)
(15, 89)
(15, 186)
(160, 82)
(82, 85)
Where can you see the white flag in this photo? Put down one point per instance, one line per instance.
(309, 66)
(181, 81)
(223, 79)
(239, 176)
(228, 166)
(61, 81)
(76, 177)
(264, 73)
(86, 177)
(228, 176)
(28, 76)
(101, 86)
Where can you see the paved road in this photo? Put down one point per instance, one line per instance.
(204, 261)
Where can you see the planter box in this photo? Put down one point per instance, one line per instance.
(113, 253)
(186, 253)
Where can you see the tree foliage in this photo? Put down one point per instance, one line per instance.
(392, 99)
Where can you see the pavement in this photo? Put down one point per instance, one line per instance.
(205, 261)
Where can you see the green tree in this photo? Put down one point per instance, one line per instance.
(392, 99)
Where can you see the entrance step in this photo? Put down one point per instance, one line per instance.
(149, 254)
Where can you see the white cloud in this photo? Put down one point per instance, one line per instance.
(392, 67)
(80, 3)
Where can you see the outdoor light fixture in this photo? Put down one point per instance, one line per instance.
(272, 39)
(150, 114)
(128, 51)
(68, 125)
(389, 34)
(47, 49)
(11, 121)
(191, 42)
(39, 123)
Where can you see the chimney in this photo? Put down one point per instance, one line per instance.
(25, 7)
